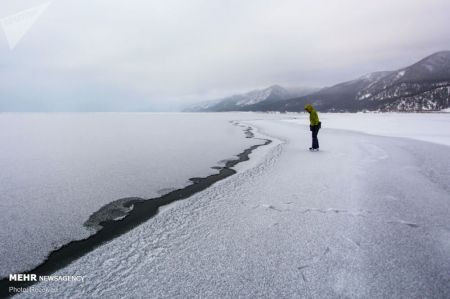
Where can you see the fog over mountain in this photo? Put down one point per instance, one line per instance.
(423, 86)
(164, 55)
(242, 102)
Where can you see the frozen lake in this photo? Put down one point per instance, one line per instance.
(58, 169)
(365, 217)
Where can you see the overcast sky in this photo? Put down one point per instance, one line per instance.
(134, 55)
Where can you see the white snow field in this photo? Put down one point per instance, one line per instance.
(366, 217)
(431, 127)
(58, 169)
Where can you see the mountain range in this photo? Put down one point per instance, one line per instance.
(423, 86)
(246, 101)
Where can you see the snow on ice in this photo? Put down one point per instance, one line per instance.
(367, 217)
(431, 127)
(58, 169)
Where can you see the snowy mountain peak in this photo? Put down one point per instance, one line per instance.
(438, 58)
(423, 86)
(436, 65)
(253, 97)
(247, 100)
(430, 73)
(374, 76)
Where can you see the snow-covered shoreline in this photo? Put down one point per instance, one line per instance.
(430, 127)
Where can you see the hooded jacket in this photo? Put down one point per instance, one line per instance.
(313, 117)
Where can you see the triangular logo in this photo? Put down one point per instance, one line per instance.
(17, 25)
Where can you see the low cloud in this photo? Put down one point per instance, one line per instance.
(135, 55)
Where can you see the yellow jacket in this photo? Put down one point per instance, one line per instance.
(313, 117)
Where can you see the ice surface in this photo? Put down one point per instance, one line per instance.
(58, 169)
(365, 217)
(431, 127)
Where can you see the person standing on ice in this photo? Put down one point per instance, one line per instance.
(314, 126)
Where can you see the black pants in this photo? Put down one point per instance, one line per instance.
(315, 141)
